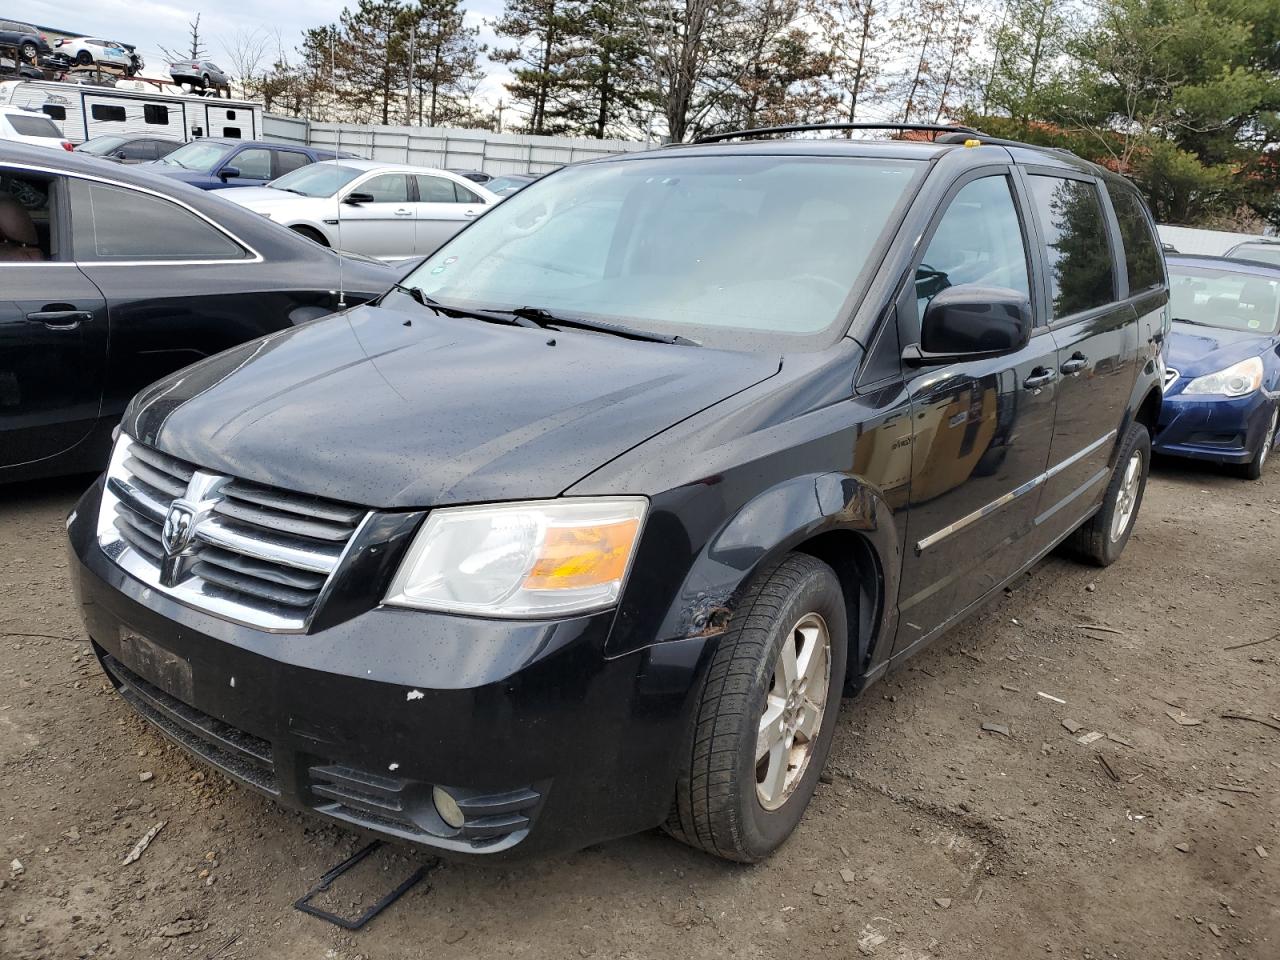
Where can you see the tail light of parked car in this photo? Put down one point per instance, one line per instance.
(67, 145)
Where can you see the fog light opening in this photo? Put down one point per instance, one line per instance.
(447, 807)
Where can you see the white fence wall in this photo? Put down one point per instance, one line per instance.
(1213, 243)
(495, 153)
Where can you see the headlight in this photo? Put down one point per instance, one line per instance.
(1235, 381)
(521, 559)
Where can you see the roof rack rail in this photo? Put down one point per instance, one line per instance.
(959, 137)
(807, 127)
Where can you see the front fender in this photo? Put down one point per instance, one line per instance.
(756, 535)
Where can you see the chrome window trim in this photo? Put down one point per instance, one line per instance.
(255, 257)
(941, 534)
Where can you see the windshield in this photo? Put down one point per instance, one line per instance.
(100, 145)
(197, 155)
(1262, 252)
(1227, 299)
(734, 251)
(316, 179)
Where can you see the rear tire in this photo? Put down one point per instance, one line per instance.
(766, 715)
(311, 234)
(1100, 539)
(1262, 456)
(84, 57)
(29, 52)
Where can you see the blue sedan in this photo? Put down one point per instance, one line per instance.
(212, 163)
(1222, 385)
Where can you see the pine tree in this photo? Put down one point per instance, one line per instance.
(371, 65)
(543, 31)
(445, 63)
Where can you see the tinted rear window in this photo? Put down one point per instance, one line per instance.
(33, 126)
(1142, 257)
(1075, 238)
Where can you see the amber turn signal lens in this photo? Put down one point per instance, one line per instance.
(574, 557)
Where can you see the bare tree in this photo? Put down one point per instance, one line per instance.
(195, 45)
(249, 53)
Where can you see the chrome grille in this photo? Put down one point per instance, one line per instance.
(1170, 378)
(241, 550)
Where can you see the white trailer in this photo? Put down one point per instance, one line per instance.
(83, 112)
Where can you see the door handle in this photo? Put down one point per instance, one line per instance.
(404, 213)
(61, 319)
(1077, 363)
(1039, 377)
(470, 213)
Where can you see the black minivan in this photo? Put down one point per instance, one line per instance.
(589, 524)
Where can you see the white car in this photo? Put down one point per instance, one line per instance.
(27, 126)
(384, 210)
(87, 50)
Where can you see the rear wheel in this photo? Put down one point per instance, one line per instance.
(29, 52)
(766, 715)
(84, 57)
(1102, 537)
(1253, 469)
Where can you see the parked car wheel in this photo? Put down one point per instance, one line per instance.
(1101, 538)
(766, 715)
(311, 234)
(1253, 469)
(29, 52)
(84, 57)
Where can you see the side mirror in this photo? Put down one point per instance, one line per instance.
(226, 173)
(120, 155)
(969, 322)
(355, 199)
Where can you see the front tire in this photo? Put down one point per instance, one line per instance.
(766, 715)
(1262, 456)
(84, 58)
(29, 52)
(1100, 539)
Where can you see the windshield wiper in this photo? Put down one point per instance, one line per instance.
(289, 190)
(1194, 323)
(545, 318)
(445, 309)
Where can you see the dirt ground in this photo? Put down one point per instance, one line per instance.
(933, 838)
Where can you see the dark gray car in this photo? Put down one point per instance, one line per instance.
(29, 41)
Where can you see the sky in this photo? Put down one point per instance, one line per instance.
(149, 24)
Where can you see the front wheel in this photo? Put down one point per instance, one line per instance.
(766, 715)
(1253, 469)
(29, 52)
(84, 58)
(1101, 538)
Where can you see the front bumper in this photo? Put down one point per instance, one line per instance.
(546, 744)
(1220, 429)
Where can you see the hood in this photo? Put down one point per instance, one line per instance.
(1195, 350)
(176, 173)
(246, 195)
(392, 407)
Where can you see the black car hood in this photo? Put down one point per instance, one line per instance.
(400, 408)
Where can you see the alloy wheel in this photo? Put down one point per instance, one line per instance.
(1127, 498)
(793, 711)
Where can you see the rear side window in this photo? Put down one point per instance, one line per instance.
(33, 126)
(978, 240)
(1081, 271)
(436, 190)
(288, 161)
(155, 113)
(103, 111)
(1142, 257)
(104, 219)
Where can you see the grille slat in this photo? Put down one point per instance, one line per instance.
(255, 587)
(304, 506)
(258, 555)
(159, 483)
(282, 521)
